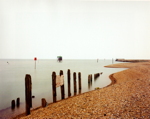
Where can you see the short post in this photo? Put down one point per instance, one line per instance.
(68, 74)
(79, 78)
(28, 93)
(18, 102)
(74, 78)
(62, 87)
(12, 104)
(54, 86)
(43, 102)
(96, 75)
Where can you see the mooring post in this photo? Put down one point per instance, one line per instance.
(54, 86)
(18, 102)
(68, 74)
(79, 78)
(74, 78)
(62, 87)
(44, 103)
(12, 104)
(28, 94)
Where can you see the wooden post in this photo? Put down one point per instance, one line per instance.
(43, 102)
(12, 104)
(54, 86)
(18, 102)
(90, 78)
(79, 78)
(68, 73)
(28, 93)
(62, 87)
(74, 78)
(96, 75)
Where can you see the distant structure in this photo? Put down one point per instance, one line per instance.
(59, 58)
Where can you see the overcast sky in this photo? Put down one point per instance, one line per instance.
(74, 29)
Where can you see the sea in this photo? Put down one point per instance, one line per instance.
(13, 72)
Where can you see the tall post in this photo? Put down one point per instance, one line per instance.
(74, 79)
(54, 86)
(62, 87)
(79, 78)
(89, 80)
(68, 74)
(28, 93)
(35, 61)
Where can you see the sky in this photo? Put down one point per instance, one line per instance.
(74, 29)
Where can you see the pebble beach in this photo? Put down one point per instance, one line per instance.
(127, 97)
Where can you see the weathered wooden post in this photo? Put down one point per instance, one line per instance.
(96, 75)
(74, 79)
(18, 102)
(54, 86)
(44, 103)
(28, 93)
(62, 87)
(12, 104)
(68, 74)
(79, 78)
(90, 78)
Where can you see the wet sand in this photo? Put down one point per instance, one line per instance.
(127, 97)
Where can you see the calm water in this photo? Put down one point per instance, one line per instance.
(12, 80)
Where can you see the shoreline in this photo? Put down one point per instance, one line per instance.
(128, 98)
(113, 81)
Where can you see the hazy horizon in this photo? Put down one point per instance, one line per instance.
(74, 29)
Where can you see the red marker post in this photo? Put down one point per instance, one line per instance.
(35, 61)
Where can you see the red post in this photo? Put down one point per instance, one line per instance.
(35, 61)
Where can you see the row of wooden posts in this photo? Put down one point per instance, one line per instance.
(28, 88)
(62, 87)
